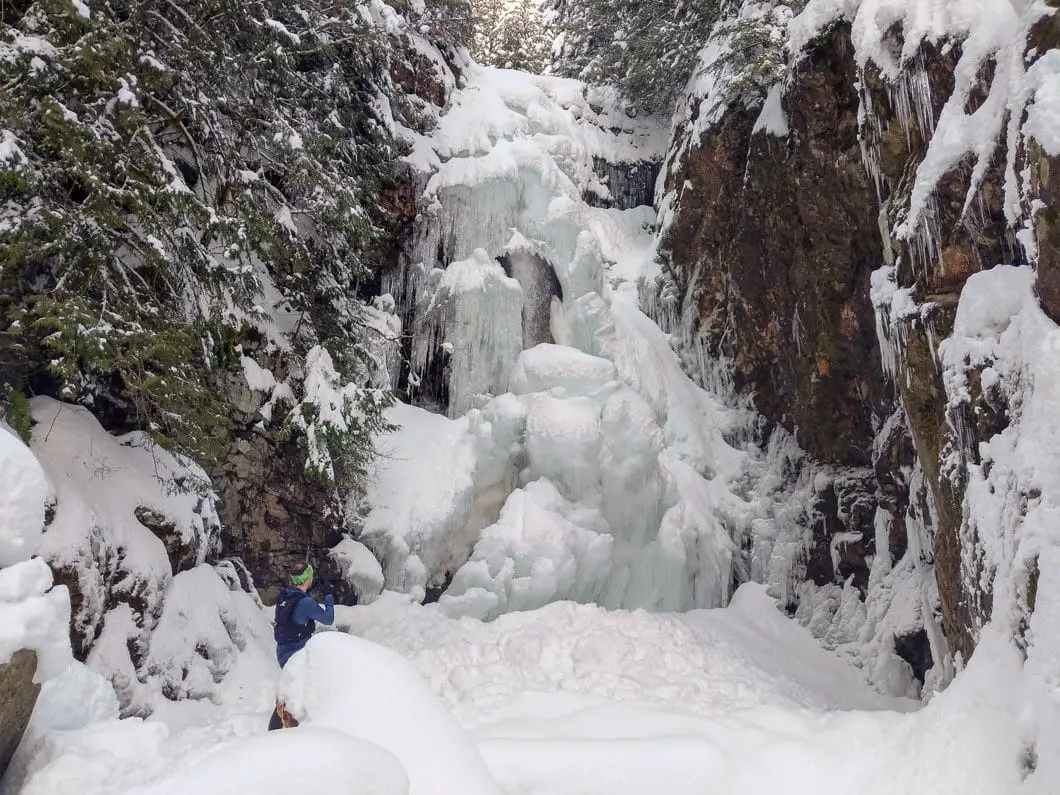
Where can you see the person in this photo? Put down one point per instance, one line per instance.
(297, 615)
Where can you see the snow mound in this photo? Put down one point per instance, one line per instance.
(712, 663)
(23, 501)
(577, 699)
(371, 693)
(104, 486)
(205, 628)
(33, 615)
(280, 763)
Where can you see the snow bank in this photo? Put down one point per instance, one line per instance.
(127, 513)
(577, 699)
(33, 615)
(205, 627)
(23, 501)
(713, 663)
(279, 763)
(101, 482)
(384, 702)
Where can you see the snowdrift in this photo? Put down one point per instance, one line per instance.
(353, 686)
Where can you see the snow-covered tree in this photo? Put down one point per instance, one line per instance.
(647, 48)
(511, 34)
(168, 170)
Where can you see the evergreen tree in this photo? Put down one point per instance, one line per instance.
(647, 48)
(160, 163)
(511, 34)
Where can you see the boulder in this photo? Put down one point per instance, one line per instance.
(18, 696)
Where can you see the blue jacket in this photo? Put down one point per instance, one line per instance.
(295, 627)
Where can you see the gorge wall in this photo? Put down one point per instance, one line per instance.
(782, 236)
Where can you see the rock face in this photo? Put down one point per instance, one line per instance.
(18, 695)
(1046, 36)
(774, 242)
(273, 514)
(627, 184)
(776, 239)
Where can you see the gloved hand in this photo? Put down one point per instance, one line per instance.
(326, 587)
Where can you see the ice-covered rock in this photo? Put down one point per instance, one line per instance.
(531, 556)
(546, 366)
(360, 568)
(475, 320)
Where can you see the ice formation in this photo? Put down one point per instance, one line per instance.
(578, 460)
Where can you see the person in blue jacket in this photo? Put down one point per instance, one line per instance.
(297, 615)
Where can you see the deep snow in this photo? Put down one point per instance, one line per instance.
(588, 469)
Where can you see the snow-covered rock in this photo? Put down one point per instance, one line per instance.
(388, 704)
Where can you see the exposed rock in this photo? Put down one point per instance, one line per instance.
(628, 184)
(843, 538)
(274, 515)
(1046, 174)
(913, 647)
(181, 556)
(962, 243)
(540, 284)
(18, 695)
(418, 76)
(776, 239)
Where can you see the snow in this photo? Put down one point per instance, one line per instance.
(205, 629)
(1014, 490)
(100, 482)
(418, 534)
(360, 568)
(586, 466)
(1043, 114)
(35, 616)
(772, 119)
(9, 148)
(279, 763)
(23, 501)
(258, 378)
(387, 703)
(566, 698)
(571, 698)
(548, 366)
(991, 32)
(582, 513)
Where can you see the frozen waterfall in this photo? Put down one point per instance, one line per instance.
(576, 460)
